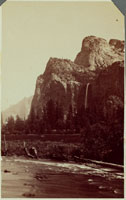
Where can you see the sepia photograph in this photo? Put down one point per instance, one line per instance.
(62, 99)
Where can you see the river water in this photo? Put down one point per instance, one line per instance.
(23, 177)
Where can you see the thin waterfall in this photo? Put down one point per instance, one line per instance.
(86, 95)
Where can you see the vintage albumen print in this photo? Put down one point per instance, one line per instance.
(62, 100)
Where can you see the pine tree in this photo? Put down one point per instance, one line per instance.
(19, 124)
(70, 119)
(59, 124)
(51, 114)
(31, 121)
(10, 124)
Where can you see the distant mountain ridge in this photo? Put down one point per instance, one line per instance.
(22, 109)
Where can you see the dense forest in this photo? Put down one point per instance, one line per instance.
(101, 138)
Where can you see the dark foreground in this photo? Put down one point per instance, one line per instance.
(23, 177)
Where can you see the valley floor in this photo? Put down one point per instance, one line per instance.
(24, 178)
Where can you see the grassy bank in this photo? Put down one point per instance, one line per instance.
(46, 149)
(63, 151)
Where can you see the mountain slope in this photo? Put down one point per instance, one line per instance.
(21, 109)
(98, 53)
(66, 81)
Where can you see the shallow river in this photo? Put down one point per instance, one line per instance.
(23, 177)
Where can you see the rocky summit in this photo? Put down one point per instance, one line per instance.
(96, 76)
(98, 53)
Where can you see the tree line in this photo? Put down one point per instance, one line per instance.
(53, 117)
(102, 138)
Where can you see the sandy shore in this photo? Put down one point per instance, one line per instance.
(22, 177)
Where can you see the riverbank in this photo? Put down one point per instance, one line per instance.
(24, 178)
(58, 150)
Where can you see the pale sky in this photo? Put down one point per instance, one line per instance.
(32, 32)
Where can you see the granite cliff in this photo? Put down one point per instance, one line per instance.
(61, 82)
(98, 65)
(98, 53)
(106, 94)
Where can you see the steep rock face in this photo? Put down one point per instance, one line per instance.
(117, 45)
(107, 91)
(61, 82)
(98, 53)
(66, 82)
